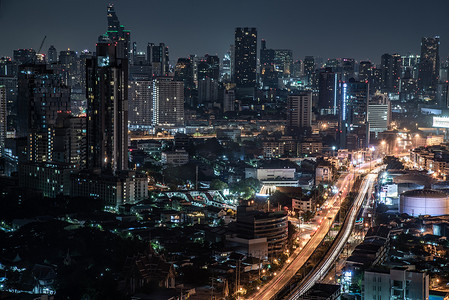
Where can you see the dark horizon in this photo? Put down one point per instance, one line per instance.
(210, 27)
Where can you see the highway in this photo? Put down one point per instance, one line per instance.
(301, 255)
(332, 255)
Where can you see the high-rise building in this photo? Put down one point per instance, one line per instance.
(245, 57)
(328, 89)
(299, 111)
(391, 72)
(408, 88)
(107, 108)
(309, 69)
(226, 68)
(365, 71)
(157, 55)
(184, 72)
(52, 55)
(297, 69)
(209, 67)
(410, 62)
(283, 60)
(140, 68)
(116, 32)
(70, 67)
(10, 83)
(168, 102)
(207, 90)
(140, 101)
(354, 128)
(69, 144)
(3, 121)
(228, 101)
(42, 95)
(268, 75)
(429, 65)
(379, 113)
(24, 56)
(8, 67)
(347, 69)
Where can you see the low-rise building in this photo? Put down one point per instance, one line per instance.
(175, 158)
(124, 188)
(396, 283)
(323, 174)
(52, 179)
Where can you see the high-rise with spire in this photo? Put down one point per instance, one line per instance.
(116, 31)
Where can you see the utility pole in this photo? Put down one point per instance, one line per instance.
(196, 178)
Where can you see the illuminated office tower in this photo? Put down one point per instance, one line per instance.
(168, 102)
(107, 108)
(429, 66)
(245, 58)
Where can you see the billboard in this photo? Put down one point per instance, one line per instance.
(441, 122)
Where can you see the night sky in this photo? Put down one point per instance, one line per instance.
(328, 28)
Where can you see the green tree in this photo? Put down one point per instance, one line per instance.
(217, 184)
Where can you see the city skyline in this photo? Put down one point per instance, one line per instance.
(298, 34)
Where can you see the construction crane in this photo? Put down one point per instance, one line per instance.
(42, 44)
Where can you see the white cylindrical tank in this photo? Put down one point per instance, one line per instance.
(424, 202)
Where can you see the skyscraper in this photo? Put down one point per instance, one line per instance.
(268, 75)
(299, 111)
(245, 57)
(107, 108)
(391, 72)
(327, 98)
(429, 65)
(309, 68)
(168, 102)
(116, 31)
(354, 128)
(3, 115)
